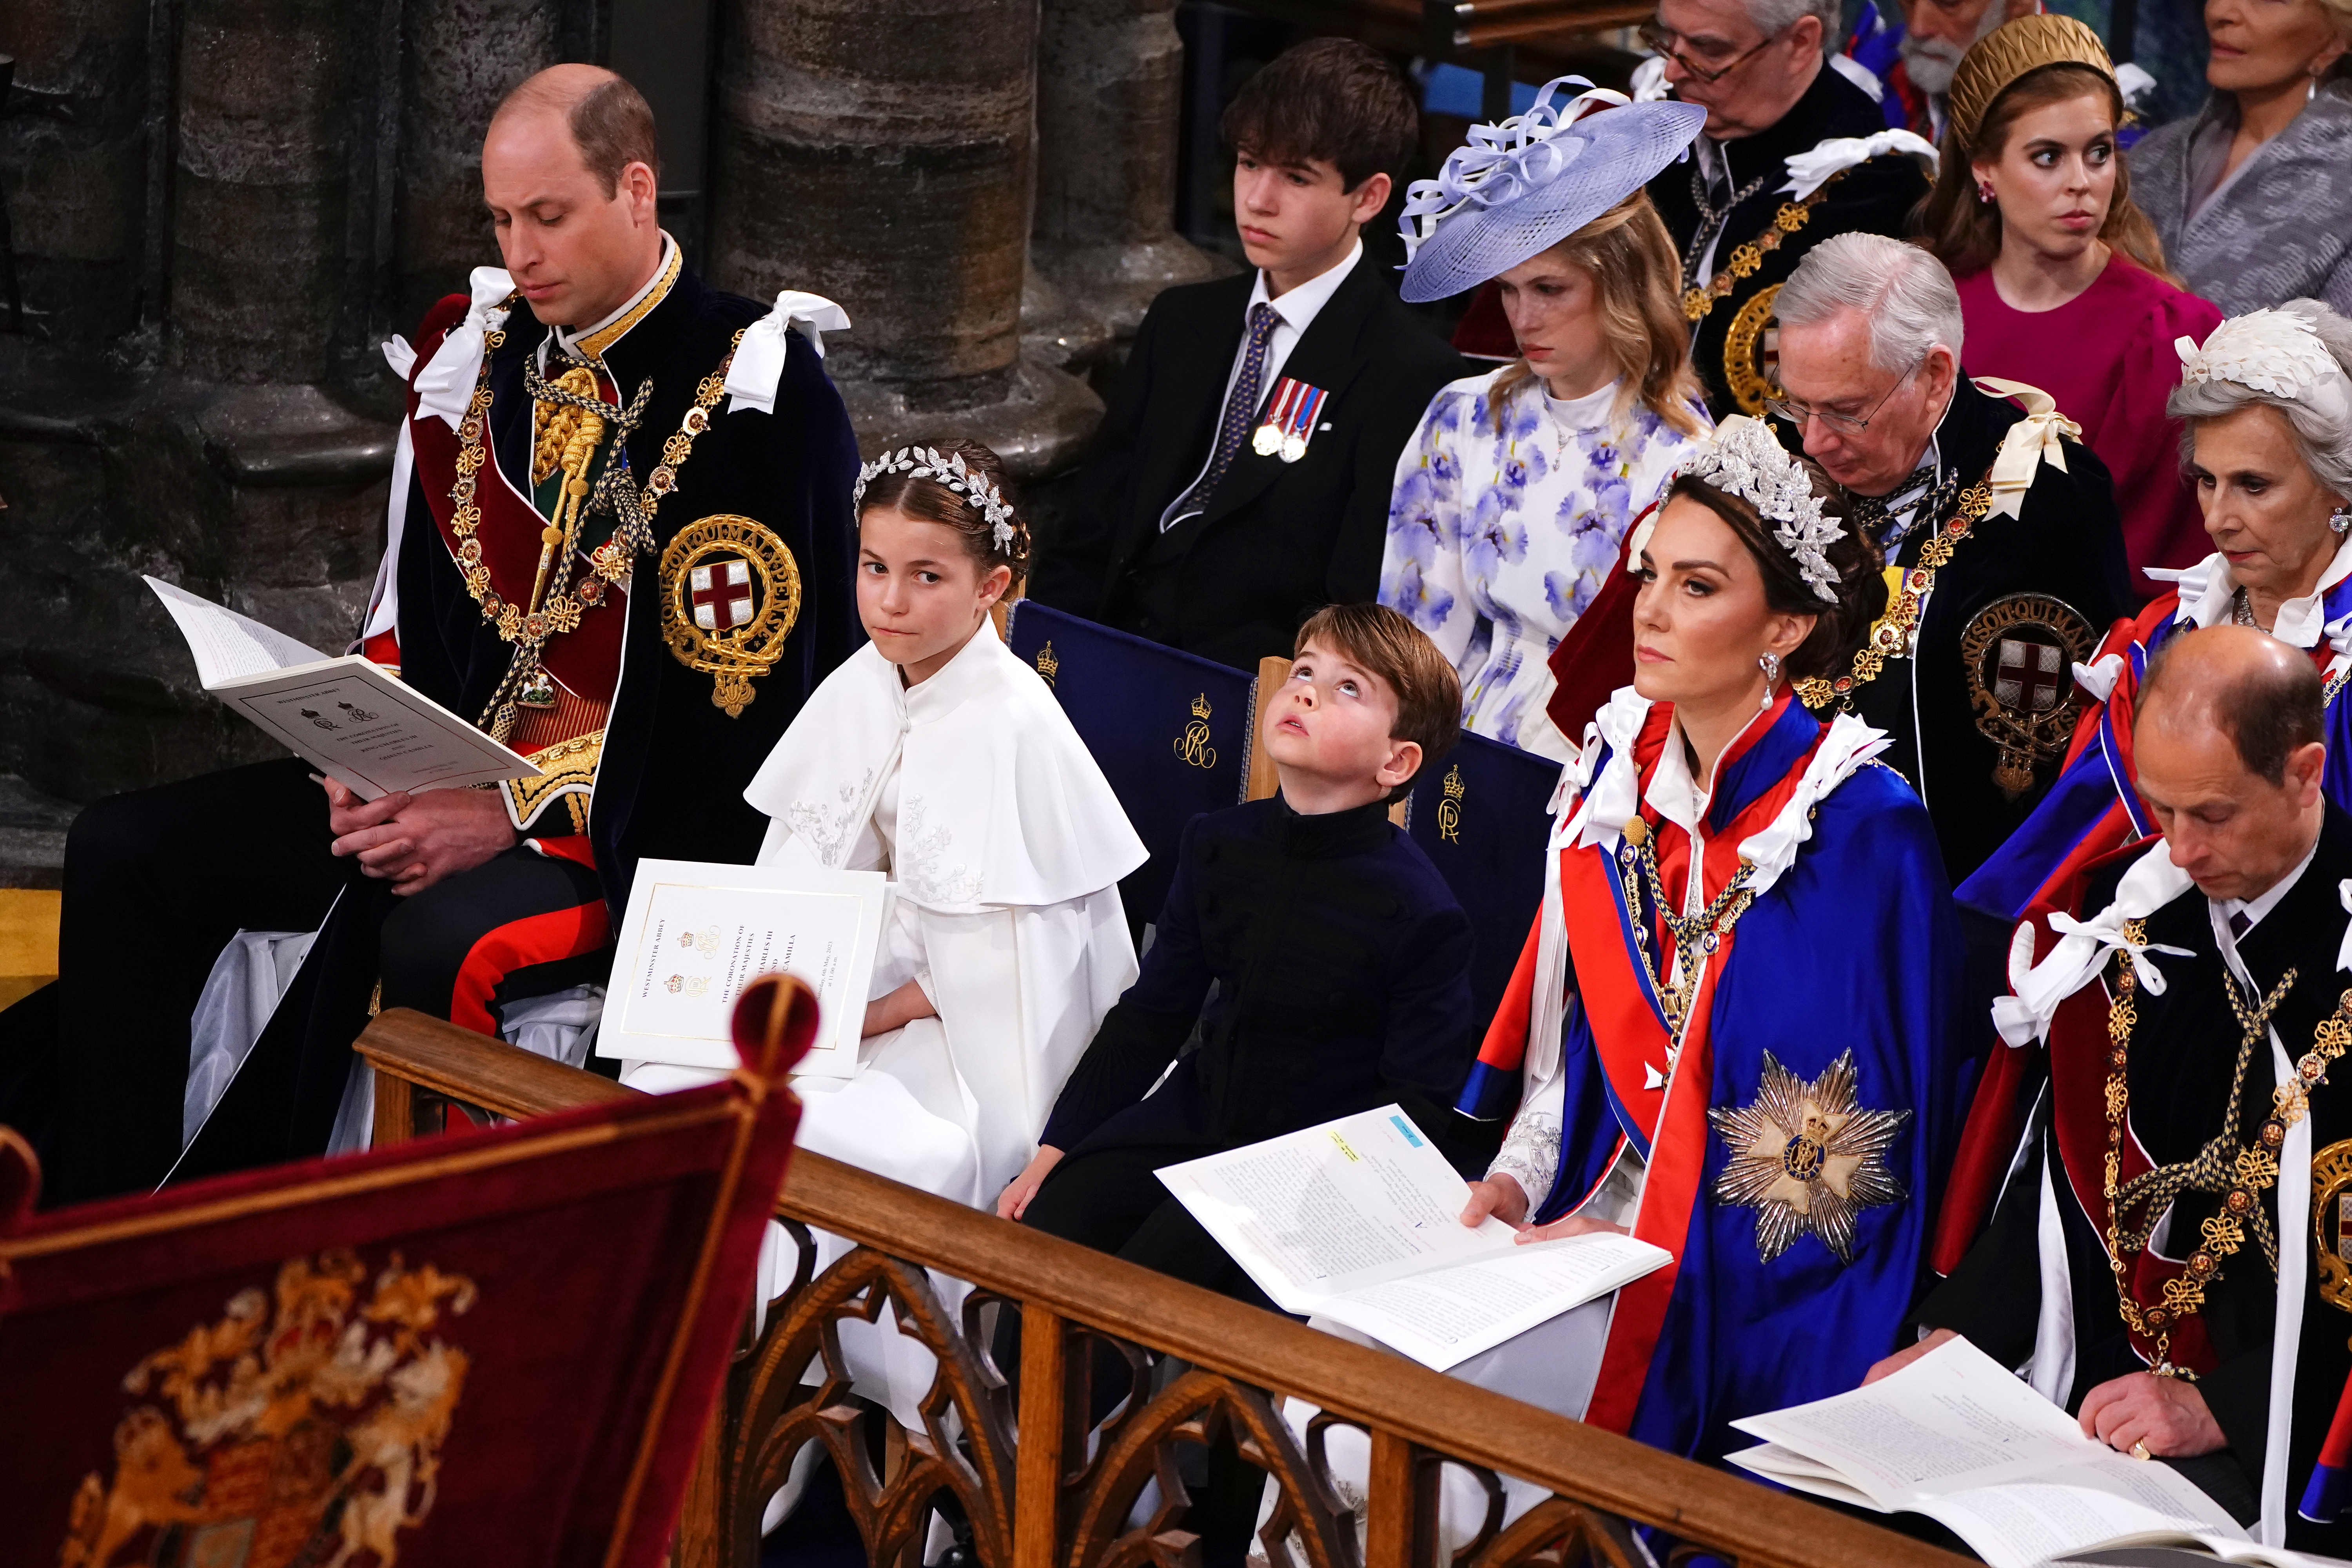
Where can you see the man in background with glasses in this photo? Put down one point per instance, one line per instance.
(2005, 555)
(1793, 153)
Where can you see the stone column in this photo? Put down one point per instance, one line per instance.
(1109, 75)
(461, 58)
(263, 164)
(880, 153)
(73, 159)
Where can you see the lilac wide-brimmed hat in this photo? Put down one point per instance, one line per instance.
(1524, 184)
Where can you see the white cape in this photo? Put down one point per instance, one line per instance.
(1009, 849)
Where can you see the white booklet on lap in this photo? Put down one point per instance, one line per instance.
(350, 718)
(1358, 1220)
(1957, 1437)
(697, 934)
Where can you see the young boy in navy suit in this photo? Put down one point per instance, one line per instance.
(1241, 479)
(1340, 959)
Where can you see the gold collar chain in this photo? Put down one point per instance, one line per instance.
(531, 628)
(2238, 1173)
(1746, 259)
(1891, 635)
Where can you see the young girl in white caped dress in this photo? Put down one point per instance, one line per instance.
(934, 754)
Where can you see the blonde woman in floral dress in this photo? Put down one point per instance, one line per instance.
(1517, 492)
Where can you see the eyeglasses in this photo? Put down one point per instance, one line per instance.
(1661, 40)
(1797, 412)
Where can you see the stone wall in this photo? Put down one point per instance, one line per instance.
(220, 207)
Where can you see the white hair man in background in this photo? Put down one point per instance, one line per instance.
(1783, 131)
(1936, 34)
(2002, 523)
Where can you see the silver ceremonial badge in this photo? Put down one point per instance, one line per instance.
(1807, 1157)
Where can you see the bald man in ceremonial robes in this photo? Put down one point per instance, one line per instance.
(620, 542)
(2151, 1209)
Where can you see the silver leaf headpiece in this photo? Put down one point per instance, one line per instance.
(924, 463)
(1745, 459)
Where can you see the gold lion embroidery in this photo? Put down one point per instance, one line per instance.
(1807, 1158)
(304, 1430)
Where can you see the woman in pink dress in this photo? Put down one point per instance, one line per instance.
(2062, 280)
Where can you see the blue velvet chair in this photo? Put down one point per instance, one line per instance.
(1480, 816)
(1171, 730)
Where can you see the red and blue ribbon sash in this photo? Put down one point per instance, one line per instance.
(2331, 1477)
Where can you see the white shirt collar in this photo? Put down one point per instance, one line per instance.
(2256, 907)
(2209, 592)
(1299, 307)
(1674, 791)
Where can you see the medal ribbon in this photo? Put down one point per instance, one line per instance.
(1279, 407)
(1302, 425)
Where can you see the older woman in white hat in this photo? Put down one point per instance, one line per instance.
(1520, 484)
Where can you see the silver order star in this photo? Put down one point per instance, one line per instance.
(1808, 1158)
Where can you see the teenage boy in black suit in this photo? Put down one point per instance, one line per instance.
(1241, 479)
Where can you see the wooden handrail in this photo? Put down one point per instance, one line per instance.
(1401, 1402)
(1569, 16)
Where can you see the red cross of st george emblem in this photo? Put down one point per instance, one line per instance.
(722, 594)
(2029, 675)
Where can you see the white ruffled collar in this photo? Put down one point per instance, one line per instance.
(1605, 795)
(2208, 590)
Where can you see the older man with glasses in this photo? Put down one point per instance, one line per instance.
(1792, 154)
(2001, 523)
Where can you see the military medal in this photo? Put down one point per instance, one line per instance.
(1290, 416)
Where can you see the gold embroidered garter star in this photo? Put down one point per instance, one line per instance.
(1807, 1158)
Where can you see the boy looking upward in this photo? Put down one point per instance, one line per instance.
(1340, 960)
(1242, 475)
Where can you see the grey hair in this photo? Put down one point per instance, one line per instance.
(2324, 444)
(1904, 293)
(1773, 18)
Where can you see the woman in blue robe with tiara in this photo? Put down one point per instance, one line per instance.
(1729, 1034)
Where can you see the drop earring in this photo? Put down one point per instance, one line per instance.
(1984, 191)
(1769, 664)
(2340, 520)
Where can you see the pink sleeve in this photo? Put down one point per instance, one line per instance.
(2141, 446)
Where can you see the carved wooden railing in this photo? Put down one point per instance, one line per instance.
(1062, 1496)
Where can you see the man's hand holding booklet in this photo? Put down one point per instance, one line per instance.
(1957, 1437)
(353, 721)
(1358, 1220)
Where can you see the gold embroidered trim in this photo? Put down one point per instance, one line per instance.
(568, 767)
(1892, 633)
(594, 344)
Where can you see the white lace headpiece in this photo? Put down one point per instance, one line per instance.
(2277, 352)
(948, 470)
(1745, 459)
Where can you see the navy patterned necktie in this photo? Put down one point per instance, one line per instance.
(1241, 407)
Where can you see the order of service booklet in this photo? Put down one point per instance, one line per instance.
(695, 933)
(1358, 1220)
(1957, 1437)
(350, 718)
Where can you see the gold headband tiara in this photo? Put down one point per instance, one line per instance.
(2009, 52)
